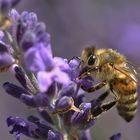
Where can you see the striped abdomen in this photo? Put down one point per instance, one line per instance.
(126, 90)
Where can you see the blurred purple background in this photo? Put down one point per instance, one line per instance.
(73, 25)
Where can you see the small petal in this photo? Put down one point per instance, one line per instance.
(68, 90)
(30, 18)
(21, 126)
(40, 28)
(82, 120)
(74, 63)
(37, 57)
(28, 40)
(6, 60)
(60, 76)
(53, 135)
(74, 69)
(14, 15)
(116, 137)
(44, 80)
(1, 35)
(59, 62)
(44, 38)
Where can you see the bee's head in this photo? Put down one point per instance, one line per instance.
(88, 57)
(100, 63)
(88, 61)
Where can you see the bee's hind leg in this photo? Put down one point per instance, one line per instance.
(101, 108)
(102, 97)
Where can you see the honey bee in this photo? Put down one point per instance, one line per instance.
(114, 72)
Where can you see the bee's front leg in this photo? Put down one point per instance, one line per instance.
(95, 87)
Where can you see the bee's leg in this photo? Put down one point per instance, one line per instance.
(95, 87)
(96, 111)
(102, 97)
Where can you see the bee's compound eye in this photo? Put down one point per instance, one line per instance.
(91, 60)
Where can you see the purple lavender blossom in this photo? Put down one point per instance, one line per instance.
(32, 128)
(27, 31)
(20, 126)
(49, 84)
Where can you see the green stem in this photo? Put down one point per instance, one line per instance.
(11, 42)
(59, 125)
(33, 80)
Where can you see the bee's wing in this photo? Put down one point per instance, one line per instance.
(129, 72)
(133, 69)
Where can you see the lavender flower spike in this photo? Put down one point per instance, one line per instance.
(49, 84)
(26, 30)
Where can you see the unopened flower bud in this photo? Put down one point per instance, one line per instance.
(65, 104)
(14, 90)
